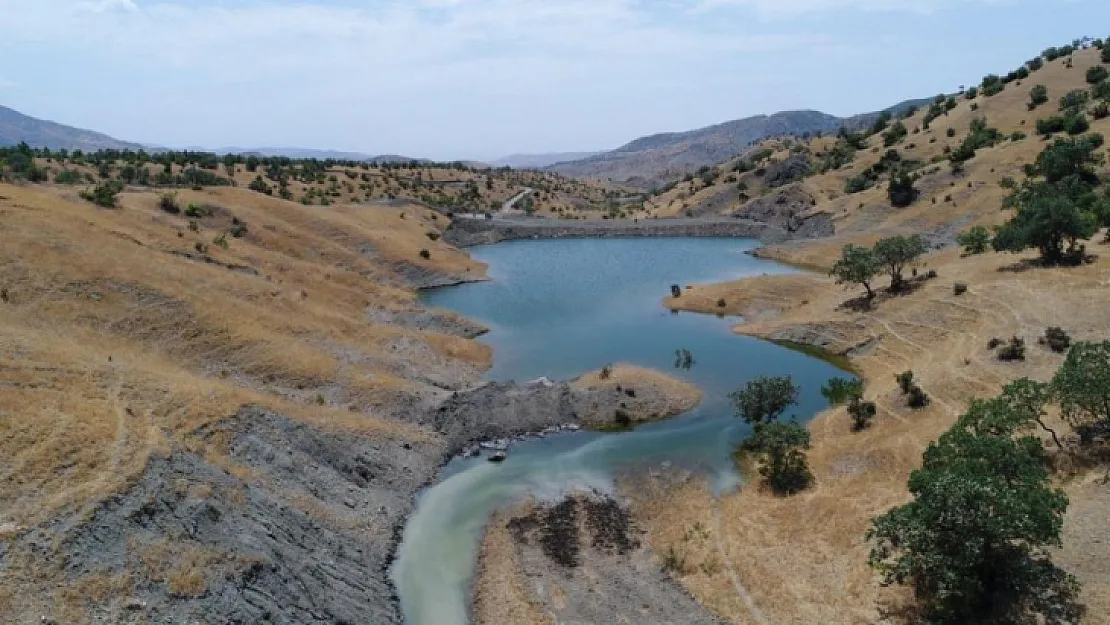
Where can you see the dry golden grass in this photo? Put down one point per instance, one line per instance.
(501, 594)
(118, 341)
(657, 395)
(802, 559)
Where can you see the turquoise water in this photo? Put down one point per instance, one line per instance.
(560, 308)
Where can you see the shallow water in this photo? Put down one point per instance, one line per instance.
(560, 308)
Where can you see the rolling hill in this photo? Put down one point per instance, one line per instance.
(656, 158)
(16, 127)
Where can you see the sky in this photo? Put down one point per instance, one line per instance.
(480, 79)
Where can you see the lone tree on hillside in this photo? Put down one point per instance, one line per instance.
(895, 253)
(857, 265)
(1056, 206)
(784, 466)
(1082, 386)
(901, 191)
(781, 446)
(973, 543)
(764, 399)
(1038, 95)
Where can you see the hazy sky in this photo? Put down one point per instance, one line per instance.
(484, 78)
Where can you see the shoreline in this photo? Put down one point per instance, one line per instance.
(469, 232)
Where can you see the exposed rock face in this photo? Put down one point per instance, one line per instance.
(789, 210)
(793, 169)
(306, 537)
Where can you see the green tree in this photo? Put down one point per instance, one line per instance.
(857, 265)
(784, 467)
(975, 241)
(1073, 101)
(1038, 95)
(1105, 53)
(895, 253)
(973, 543)
(894, 134)
(901, 191)
(839, 390)
(764, 399)
(1097, 74)
(1056, 206)
(104, 194)
(1082, 387)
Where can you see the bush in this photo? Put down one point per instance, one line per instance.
(68, 176)
(1050, 125)
(1106, 53)
(951, 132)
(994, 343)
(721, 303)
(977, 240)
(901, 191)
(1101, 111)
(992, 85)
(425, 254)
(959, 288)
(861, 412)
(1038, 95)
(905, 381)
(1076, 124)
(1035, 64)
(1097, 74)
(1056, 339)
(1074, 101)
(1014, 350)
(104, 194)
(168, 203)
(238, 228)
(917, 398)
(197, 211)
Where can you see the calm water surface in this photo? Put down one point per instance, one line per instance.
(560, 308)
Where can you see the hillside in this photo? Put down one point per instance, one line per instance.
(16, 127)
(803, 559)
(652, 160)
(448, 187)
(535, 161)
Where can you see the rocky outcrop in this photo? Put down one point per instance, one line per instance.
(789, 212)
(301, 533)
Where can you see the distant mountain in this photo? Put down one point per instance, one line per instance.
(533, 161)
(287, 152)
(16, 127)
(654, 158)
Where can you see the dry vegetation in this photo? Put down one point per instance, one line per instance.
(643, 394)
(119, 340)
(803, 559)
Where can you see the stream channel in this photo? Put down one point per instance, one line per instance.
(562, 307)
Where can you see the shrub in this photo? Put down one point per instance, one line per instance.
(168, 203)
(606, 372)
(784, 466)
(220, 241)
(972, 93)
(238, 228)
(992, 85)
(434, 236)
(894, 134)
(1035, 64)
(1014, 350)
(198, 211)
(1097, 74)
(1105, 53)
(622, 418)
(905, 381)
(68, 176)
(1076, 124)
(425, 254)
(1038, 95)
(901, 191)
(840, 390)
(1074, 101)
(977, 240)
(861, 412)
(1050, 125)
(104, 194)
(721, 303)
(917, 398)
(994, 343)
(1056, 339)
(951, 132)
(959, 288)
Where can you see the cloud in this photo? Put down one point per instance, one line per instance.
(106, 6)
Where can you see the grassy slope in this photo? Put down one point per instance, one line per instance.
(803, 559)
(115, 345)
(556, 196)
